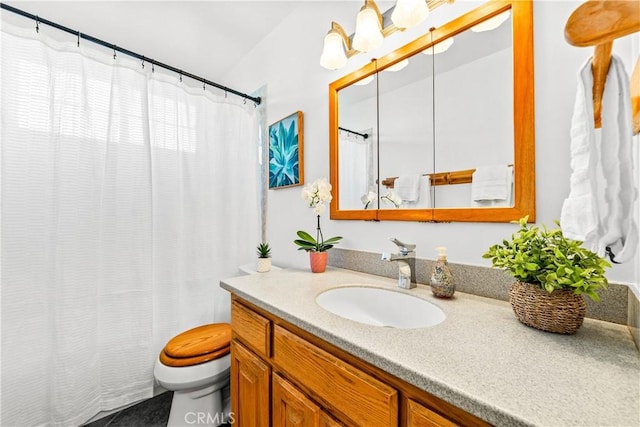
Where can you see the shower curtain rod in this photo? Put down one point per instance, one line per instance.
(115, 48)
(363, 135)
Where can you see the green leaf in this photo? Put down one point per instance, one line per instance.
(333, 240)
(546, 257)
(304, 244)
(306, 236)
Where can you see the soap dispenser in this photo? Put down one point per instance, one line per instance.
(441, 281)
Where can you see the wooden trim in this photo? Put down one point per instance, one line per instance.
(300, 123)
(635, 97)
(441, 178)
(524, 112)
(523, 119)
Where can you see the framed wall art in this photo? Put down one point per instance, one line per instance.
(286, 152)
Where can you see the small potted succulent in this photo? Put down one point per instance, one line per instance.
(552, 274)
(264, 258)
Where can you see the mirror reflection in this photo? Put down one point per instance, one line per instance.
(357, 145)
(449, 125)
(475, 140)
(406, 133)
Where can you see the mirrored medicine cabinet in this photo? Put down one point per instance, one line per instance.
(433, 113)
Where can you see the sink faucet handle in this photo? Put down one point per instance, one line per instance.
(404, 248)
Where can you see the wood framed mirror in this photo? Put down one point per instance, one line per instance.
(450, 115)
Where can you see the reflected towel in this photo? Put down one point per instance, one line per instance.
(407, 187)
(424, 201)
(491, 183)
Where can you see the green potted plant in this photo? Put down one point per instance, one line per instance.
(264, 258)
(316, 195)
(552, 274)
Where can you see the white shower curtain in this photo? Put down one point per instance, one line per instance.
(356, 169)
(126, 197)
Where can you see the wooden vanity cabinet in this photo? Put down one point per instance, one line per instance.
(284, 376)
(250, 379)
(421, 416)
(291, 407)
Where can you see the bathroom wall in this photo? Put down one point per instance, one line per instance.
(615, 305)
(287, 61)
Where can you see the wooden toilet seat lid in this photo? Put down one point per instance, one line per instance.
(190, 361)
(201, 341)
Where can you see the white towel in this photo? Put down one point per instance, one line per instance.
(424, 201)
(620, 229)
(407, 187)
(491, 183)
(599, 208)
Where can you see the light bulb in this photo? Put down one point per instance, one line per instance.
(409, 13)
(368, 32)
(333, 55)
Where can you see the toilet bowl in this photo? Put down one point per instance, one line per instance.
(195, 365)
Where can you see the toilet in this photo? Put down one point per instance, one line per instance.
(195, 365)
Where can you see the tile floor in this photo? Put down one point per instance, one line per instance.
(150, 413)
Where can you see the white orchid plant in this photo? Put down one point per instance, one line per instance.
(318, 196)
(392, 198)
(368, 198)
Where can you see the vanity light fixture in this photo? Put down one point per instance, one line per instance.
(439, 48)
(491, 23)
(336, 46)
(368, 28)
(409, 13)
(371, 29)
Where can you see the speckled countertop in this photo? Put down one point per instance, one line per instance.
(480, 358)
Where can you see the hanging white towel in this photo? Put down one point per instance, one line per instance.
(424, 201)
(407, 187)
(491, 183)
(599, 208)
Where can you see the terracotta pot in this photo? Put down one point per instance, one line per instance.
(560, 311)
(318, 261)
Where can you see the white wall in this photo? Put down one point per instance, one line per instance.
(287, 61)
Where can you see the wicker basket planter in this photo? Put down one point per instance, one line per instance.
(561, 311)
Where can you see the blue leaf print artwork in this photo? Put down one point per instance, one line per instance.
(283, 153)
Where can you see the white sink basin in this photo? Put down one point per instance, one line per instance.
(380, 307)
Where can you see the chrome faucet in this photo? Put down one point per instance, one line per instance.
(406, 258)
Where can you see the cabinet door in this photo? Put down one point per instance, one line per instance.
(354, 396)
(327, 421)
(419, 416)
(291, 407)
(249, 388)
